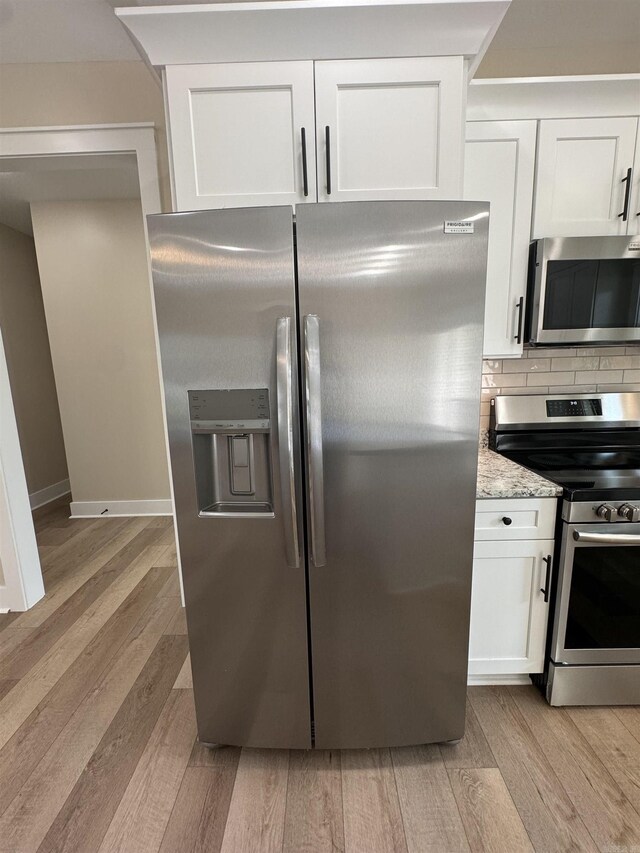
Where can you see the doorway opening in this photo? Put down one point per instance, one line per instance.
(78, 332)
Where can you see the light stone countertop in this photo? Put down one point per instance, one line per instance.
(499, 477)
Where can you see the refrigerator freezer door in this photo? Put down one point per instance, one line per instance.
(399, 303)
(224, 286)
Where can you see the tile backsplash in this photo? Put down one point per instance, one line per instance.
(560, 371)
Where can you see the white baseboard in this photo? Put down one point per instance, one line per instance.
(49, 493)
(500, 678)
(103, 509)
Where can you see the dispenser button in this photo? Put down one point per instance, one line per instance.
(241, 474)
(241, 451)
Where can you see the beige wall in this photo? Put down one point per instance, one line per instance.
(93, 268)
(29, 362)
(76, 93)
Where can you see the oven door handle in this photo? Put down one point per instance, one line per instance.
(607, 538)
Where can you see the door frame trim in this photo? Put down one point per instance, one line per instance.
(19, 554)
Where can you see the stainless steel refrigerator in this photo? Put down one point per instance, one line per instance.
(322, 384)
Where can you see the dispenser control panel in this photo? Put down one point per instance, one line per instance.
(230, 410)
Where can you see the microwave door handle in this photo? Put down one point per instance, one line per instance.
(284, 389)
(606, 538)
(627, 194)
(314, 437)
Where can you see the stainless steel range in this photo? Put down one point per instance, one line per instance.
(590, 445)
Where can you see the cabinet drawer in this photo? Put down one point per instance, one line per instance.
(515, 518)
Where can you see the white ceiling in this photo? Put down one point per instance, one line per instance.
(87, 30)
(62, 178)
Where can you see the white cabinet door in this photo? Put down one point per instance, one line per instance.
(394, 128)
(499, 163)
(235, 134)
(508, 610)
(581, 166)
(634, 205)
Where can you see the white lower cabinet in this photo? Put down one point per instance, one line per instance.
(508, 607)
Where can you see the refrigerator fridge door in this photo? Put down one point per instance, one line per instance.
(391, 304)
(225, 303)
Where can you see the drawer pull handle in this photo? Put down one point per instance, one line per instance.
(506, 520)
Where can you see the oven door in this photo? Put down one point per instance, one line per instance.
(597, 613)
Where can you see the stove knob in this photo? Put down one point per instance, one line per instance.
(630, 512)
(607, 512)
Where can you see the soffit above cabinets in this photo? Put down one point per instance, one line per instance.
(313, 29)
(510, 99)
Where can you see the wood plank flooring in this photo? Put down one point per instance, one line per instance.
(98, 748)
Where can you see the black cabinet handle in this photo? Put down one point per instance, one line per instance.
(547, 581)
(327, 154)
(506, 520)
(518, 335)
(627, 193)
(305, 182)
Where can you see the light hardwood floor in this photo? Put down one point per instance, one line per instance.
(98, 746)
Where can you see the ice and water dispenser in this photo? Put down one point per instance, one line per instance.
(230, 433)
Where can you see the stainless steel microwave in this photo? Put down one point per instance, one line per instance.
(583, 290)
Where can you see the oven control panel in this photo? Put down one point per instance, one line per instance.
(609, 511)
(580, 408)
(621, 512)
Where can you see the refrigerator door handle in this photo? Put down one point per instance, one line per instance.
(314, 437)
(284, 386)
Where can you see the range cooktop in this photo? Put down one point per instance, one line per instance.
(589, 444)
(586, 476)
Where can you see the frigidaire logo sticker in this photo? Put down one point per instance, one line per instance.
(458, 226)
(634, 247)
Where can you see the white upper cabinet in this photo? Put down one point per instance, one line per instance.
(394, 128)
(581, 177)
(634, 198)
(236, 134)
(389, 128)
(499, 167)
